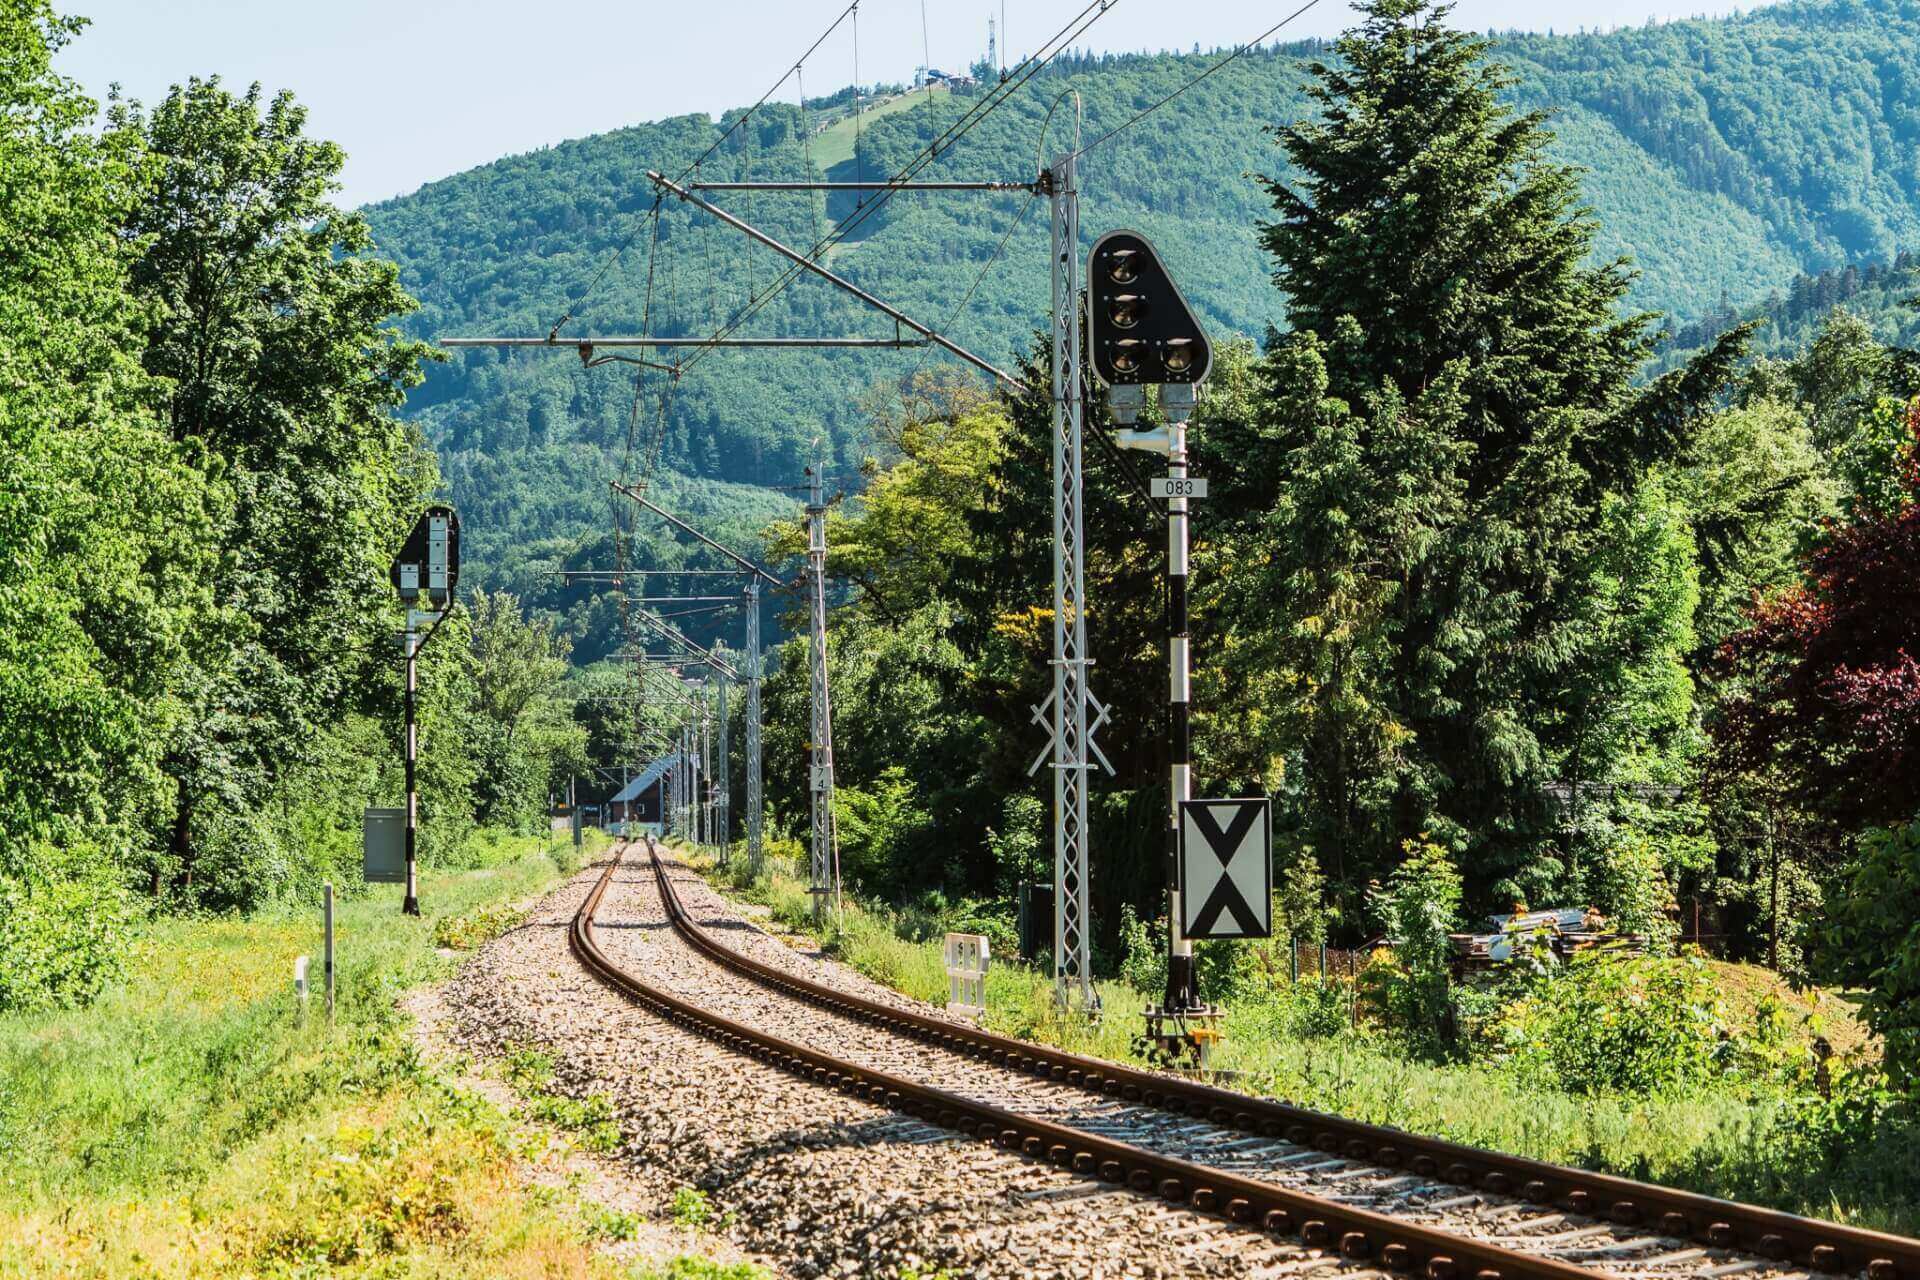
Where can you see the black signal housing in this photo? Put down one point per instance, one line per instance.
(1141, 331)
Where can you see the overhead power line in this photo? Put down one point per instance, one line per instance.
(1144, 112)
(992, 260)
(998, 94)
(740, 120)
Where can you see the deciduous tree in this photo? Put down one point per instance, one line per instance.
(279, 366)
(1828, 675)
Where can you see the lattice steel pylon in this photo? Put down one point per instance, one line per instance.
(709, 795)
(1072, 959)
(823, 843)
(723, 807)
(755, 852)
(689, 830)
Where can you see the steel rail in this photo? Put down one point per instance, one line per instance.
(1356, 1234)
(1687, 1215)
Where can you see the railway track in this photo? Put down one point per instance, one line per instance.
(1374, 1196)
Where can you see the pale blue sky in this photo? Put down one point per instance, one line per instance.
(419, 89)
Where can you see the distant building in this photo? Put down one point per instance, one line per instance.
(642, 803)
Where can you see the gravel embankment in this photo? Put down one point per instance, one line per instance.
(827, 1184)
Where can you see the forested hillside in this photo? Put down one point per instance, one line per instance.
(1725, 157)
(1882, 297)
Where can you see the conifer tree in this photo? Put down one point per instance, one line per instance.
(1445, 423)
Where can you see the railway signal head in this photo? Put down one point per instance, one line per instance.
(1142, 331)
(429, 564)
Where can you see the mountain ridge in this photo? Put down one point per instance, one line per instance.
(1724, 156)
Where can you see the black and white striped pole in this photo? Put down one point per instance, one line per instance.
(1178, 489)
(1183, 992)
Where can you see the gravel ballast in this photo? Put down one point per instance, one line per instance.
(826, 1184)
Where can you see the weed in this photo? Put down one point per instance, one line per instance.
(464, 933)
(614, 1224)
(591, 1118)
(687, 1267)
(691, 1207)
(529, 1068)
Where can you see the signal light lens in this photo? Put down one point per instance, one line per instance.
(1179, 357)
(1126, 355)
(1127, 310)
(1125, 268)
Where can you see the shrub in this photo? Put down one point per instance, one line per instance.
(1417, 909)
(65, 926)
(1143, 954)
(933, 916)
(878, 826)
(1299, 901)
(1611, 1023)
(1311, 1009)
(1318, 1009)
(1016, 844)
(1631, 889)
(1873, 941)
(1859, 1136)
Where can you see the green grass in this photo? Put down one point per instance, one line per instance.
(834, 144)
(1733, 1141)
(200, 1048)
(194, 1121)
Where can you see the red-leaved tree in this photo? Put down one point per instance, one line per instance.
(1827, 678)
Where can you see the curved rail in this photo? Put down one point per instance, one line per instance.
(1767, 1233)
(1355, 1233)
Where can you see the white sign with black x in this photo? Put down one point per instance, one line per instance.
(1226, 868)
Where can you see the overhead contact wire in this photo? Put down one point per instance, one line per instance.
(1144, 112)
(717, 143)
(1031, 66)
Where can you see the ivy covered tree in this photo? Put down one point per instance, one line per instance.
(1451, 427)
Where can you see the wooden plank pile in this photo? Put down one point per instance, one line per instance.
(1567, 932)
